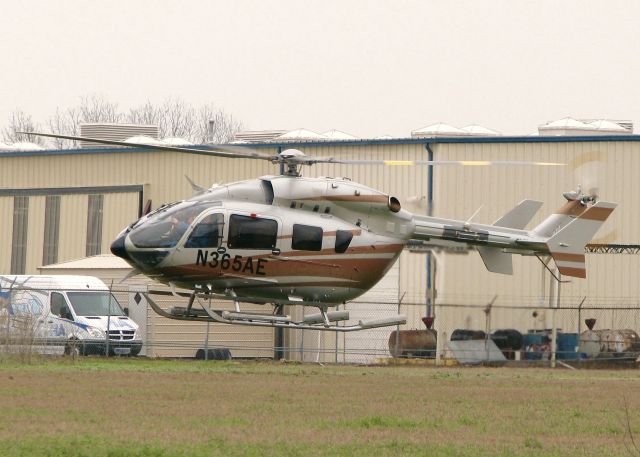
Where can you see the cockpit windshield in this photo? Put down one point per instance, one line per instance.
(164, 228)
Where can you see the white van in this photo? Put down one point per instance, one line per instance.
(65, 313)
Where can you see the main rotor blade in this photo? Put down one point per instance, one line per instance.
(411, 163)
(230, 155)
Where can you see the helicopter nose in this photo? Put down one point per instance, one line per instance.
(118, 249)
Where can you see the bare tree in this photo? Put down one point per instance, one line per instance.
(19, 121)
(65, 122)
(174, 118)
(90, 109)
(147, 114)
(179, 119)
(94, 108)
(215, 126)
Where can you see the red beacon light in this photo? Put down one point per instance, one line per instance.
(253, 215)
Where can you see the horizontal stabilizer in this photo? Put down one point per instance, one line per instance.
(567, 246)
(519, 217)
(495, 260)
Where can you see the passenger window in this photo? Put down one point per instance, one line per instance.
(207, 233)
(306, 238)
(57, 303)
(343, 239)
(252, 232)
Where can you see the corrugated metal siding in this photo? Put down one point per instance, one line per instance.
(171, 338)
(120, 210)
(35, 233)
(6, 216)
(400, 181)
(458, 193)
(73, 228)
(161, 174)
(413, 288)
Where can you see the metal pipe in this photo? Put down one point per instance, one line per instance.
(430, 282)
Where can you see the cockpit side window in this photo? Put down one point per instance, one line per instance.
(247, 232)
(166, 227)
(343, 239)
(306, 238)
(207, 233)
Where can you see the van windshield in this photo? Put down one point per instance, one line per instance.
(94, 304)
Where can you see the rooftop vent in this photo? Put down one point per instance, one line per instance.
(115, 132)
(438, 130)
(257, 136)
(585, 127)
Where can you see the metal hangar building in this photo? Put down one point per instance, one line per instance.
(62, 205)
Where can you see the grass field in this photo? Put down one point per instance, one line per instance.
(138, 407)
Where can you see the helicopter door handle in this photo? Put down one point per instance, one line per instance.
(275, 251)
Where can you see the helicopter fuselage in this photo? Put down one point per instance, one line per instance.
(325, 241)
(277, 239)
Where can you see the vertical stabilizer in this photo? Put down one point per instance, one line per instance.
(495, 260)
(519, 217)
(567, 245)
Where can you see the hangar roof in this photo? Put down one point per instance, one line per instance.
(338, 135)
(356, 142)
(101, 261)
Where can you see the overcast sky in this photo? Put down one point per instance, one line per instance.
(366, 67)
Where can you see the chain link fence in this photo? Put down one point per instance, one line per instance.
(45, 320)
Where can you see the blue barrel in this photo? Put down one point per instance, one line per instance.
(531, 344)
(568, 346)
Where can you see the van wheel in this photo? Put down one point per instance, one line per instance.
(72, 348)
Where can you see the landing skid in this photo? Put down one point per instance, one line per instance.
(324, 320)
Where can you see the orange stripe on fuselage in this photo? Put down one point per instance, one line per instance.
(572, 208)
(596, 213)
(575, 272)
(563, 256)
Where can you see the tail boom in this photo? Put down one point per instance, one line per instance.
(564, 235)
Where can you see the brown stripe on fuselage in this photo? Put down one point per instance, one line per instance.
(333, 267)
(575, 272)
(327, 284)
(356, 232)
(371, 249)
(572, 208)
(567, 257)
(596, 213)
(362, 271)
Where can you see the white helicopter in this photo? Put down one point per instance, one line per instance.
(291, 240)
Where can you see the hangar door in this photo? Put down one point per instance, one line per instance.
(47, 226)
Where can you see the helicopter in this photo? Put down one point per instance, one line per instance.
(293, 240)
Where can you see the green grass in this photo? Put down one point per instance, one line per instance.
(140, 407)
